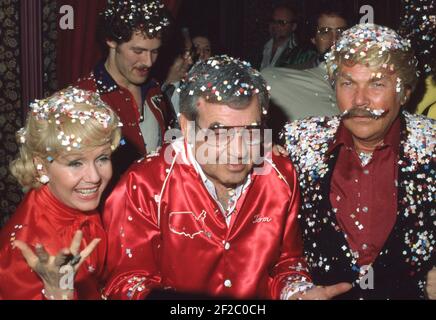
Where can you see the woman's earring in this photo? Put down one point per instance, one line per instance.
(44, 179)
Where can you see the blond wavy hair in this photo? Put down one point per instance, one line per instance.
(40, 137)
(379, 48)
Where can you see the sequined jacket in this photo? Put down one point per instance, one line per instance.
(400, 270)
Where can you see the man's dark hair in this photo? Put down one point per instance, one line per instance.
(327, 8)
(122, 18)
(222, 80)
(288, 6)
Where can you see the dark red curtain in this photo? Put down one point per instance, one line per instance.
(78, 50)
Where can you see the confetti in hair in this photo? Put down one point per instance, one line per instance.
(224, 79)
(61, 106)
(370, 44)
(63, 102)
(125, 16)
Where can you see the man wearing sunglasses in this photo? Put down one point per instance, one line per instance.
(307, 92)
(281, 27)
(326, 30)
(213, 213)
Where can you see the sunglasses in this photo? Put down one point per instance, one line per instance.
(327, 32)
(282, 22)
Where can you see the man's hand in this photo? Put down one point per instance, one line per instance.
(323, 293)
(430, 288)
(48, 267)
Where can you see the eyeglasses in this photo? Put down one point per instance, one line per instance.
(326, 33)
(282, 22)
(220, 135)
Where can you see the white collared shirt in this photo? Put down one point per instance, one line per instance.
(150, 129)
(210, 187)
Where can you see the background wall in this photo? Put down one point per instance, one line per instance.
(10, 104)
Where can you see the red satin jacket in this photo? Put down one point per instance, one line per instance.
(165, 230)
(42, 219)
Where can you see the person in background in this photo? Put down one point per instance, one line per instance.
(418, 25)
(202, 46)
(281, 27)
(297, 94)
(133, 33)
(427, 106)
(326, 27)
(198, 48)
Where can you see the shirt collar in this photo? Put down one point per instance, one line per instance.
(106, 84)
(209, 184)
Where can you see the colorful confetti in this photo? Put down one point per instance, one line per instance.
(376, 42)
(201, 82)
(418, 24)
(61, 105)
(147, 16)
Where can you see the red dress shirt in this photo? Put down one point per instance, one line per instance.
(365, 197)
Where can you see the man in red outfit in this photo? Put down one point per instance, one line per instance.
(134, 31)
(209, 215)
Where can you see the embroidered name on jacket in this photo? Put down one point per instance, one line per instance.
(261, 219)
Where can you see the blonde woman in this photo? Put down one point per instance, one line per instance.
(54, 245)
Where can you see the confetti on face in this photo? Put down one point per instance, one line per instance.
(399, 85)
(363, 112)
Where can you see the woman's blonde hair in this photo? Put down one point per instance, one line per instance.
(377, 47)
(71, 119)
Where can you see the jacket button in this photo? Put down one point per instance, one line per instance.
(228, 283)
(227, 246)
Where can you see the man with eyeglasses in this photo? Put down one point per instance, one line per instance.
(282, 27)
(327, 30)
(213, 213)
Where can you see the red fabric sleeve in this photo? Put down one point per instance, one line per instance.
(133, 240)
(291, 263)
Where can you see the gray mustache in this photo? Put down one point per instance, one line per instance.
(364, 112)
